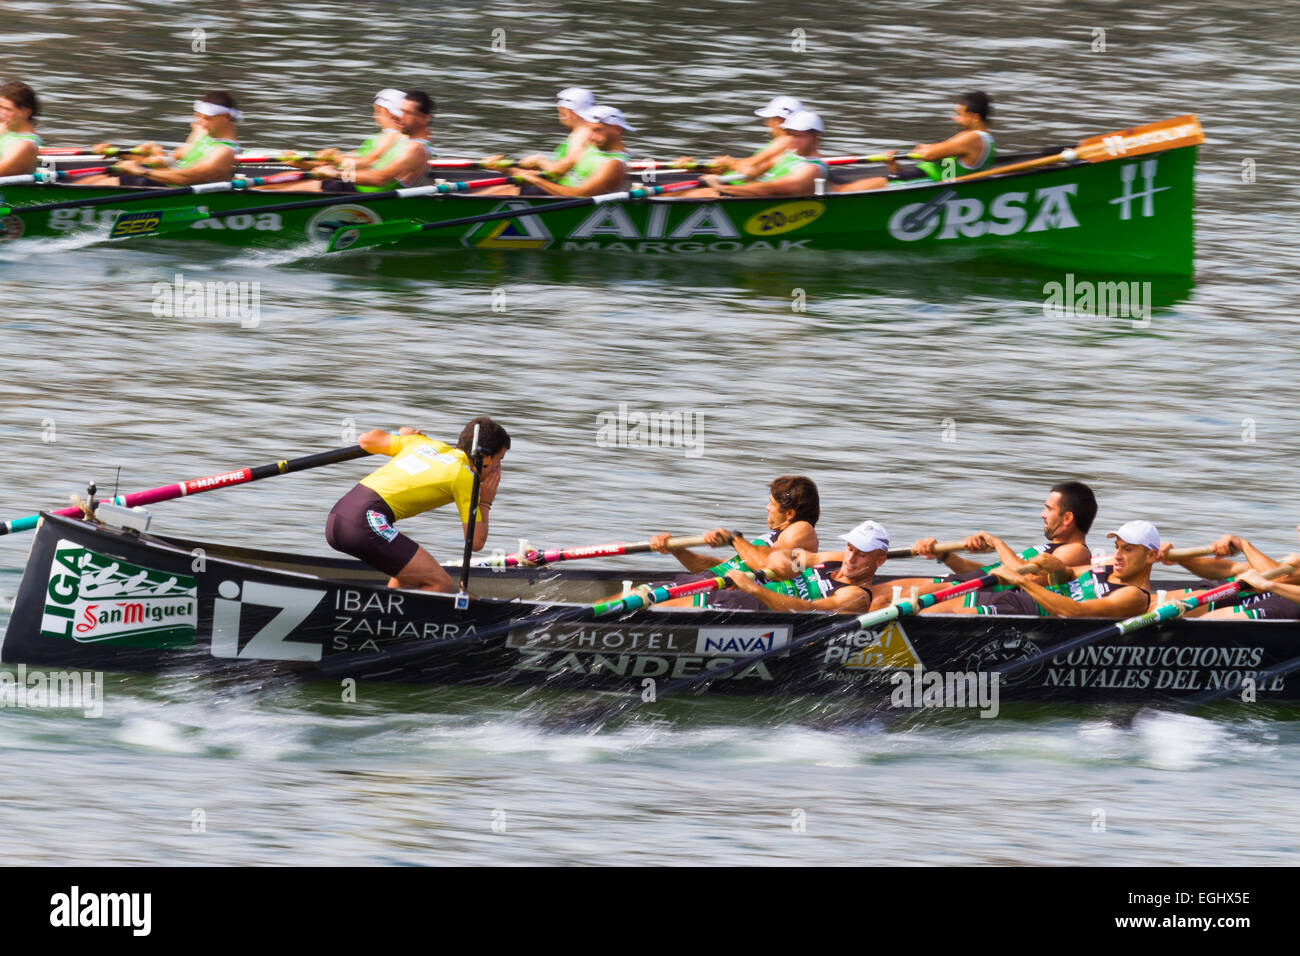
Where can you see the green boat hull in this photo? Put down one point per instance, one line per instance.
(1131, 216)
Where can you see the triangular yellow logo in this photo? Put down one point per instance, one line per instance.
(891, 650)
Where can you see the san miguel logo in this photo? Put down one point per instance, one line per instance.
(92, 598)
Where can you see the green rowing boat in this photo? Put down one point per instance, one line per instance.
(1130, 215)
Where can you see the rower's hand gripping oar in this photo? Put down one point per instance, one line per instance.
(132, 225)
(198, 485)
(357, 237)
(476, 456)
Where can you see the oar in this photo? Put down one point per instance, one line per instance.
(121, 199)
(1165, 612)
(551, 556)
(635, 600)
(356, 237)
(1156, 137)
(198, 485)
(50, 175)
(131, 225)
(476, 456)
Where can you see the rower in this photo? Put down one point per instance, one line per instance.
(1271, 604)
(793, 509)
(207, 156)
(387, 113)
(20, 146)
(424, 474)
(794, 172)
(1067, 516)
(811, 586)
(776, 112)
(601, 168)
(570, 104)
(969, 151)
(1117, 590)
(402, 165)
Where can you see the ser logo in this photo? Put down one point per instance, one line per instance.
(135, 223)
(271, 641)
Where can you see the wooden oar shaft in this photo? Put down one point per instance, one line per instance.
(1180, 554)
(943, 547)
(196, 486)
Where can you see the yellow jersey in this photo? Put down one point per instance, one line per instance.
(424, 474)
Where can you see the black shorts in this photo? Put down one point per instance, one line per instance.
(132, 180)
(337, 186)
(908, 173)
(1014, 601)
(361, 524)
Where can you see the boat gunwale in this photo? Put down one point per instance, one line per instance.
(173, 545)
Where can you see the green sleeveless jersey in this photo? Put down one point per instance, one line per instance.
(934, 170)
(590, 161)
(10, 139)
(202, 148)
(789, 163)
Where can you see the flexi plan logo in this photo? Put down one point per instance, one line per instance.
(93, 598)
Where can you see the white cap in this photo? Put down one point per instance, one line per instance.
(575, 98)
(868, 536)
(780, 106)
(1142, 533)
(391, 100)
(610, 115)
(801, 121)
(204, 108)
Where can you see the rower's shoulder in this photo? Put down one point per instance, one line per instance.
(1073, 554)
(800, 534)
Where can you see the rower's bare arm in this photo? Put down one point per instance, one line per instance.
(409, 166)
(1255, 557)
(377, 442)
(19, 158)
(367, 159)
(480, 530)
(799, 183)
(1214, 569)
(1282, 588)
(690, 560)
(217, 168)
(966, 146)
(610, 177)
(754, 166)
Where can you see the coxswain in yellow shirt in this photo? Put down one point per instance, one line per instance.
(424, 474)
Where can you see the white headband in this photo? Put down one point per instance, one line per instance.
(213, 109)
(392, 101)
